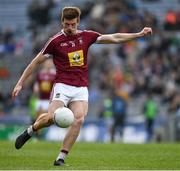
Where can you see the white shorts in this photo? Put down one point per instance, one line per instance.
(42, 105)
(67, 93)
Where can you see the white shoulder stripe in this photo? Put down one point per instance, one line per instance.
(50, 40)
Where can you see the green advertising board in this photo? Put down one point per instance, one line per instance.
(10, 132)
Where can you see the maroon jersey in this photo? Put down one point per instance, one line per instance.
(45, 82)
(70, 56)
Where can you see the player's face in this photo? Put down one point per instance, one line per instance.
(70, 26)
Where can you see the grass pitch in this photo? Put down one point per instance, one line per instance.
(91, 156)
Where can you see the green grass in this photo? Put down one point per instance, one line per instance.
(91, 156)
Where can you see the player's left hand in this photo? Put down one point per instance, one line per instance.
(16, 91)
(146, 30)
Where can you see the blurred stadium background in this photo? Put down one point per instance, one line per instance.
(144, 72)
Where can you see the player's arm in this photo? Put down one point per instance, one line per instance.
(27, 72)
(122, 37)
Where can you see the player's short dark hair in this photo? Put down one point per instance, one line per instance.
(70, 13)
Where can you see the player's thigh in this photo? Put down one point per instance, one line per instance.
(79, 108)
(54, 105)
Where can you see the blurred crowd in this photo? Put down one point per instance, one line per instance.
(130, 70)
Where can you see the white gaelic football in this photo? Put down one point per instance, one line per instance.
(63, 117)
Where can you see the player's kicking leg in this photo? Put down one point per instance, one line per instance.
(44, 120)
(21, 139)
(79, 108)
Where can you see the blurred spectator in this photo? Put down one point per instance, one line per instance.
(170, 20)
(8, 35)
(7, 41)
(39, 12)
(107, 108)
(106, 114)
(150, 110)
(4, 73)
(43, 86)
(42, 89)
(175, 103)
(119, 109)
(178, 19)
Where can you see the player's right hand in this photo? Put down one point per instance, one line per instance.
(145, 31)
(16, 91)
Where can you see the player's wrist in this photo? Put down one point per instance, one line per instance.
(140, 34)
(20, 84)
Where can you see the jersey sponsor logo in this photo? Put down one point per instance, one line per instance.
(76, 58)
(63, 44)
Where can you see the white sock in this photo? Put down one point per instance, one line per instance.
(30, 130)
(62, 155)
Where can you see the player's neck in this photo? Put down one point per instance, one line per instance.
(67, 34)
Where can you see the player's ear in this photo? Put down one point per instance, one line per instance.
(62, 24)
(78, 21)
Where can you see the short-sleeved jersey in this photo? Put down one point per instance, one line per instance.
(45, 81)
(70, 56)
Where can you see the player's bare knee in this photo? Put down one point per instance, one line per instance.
(79, 121)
